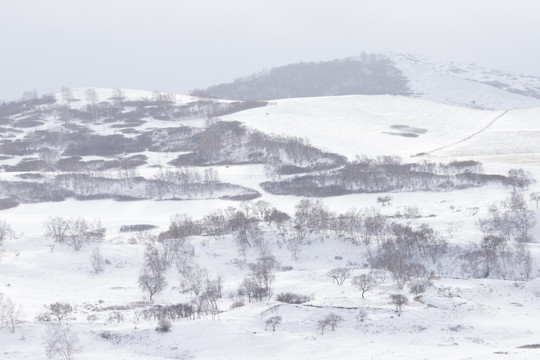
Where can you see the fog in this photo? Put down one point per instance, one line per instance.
(176, 46)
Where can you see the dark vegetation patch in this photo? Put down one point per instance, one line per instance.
(292, 298)
(245, 197)
(137, 227)
(385, 174)
(30, 176)
(409, 135)
(227, 143)
(8, 203)
(26, 165)
(103, 145)
(129, 124)
(410, 129)
(370, 74)
(28, 122)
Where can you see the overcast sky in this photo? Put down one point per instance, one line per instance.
(177, 45)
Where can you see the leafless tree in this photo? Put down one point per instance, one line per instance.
(92, 98)
(5, 233)
(9, 313)
(59, 311)
(535, 196)
(272, 322)
(519, 179)
(61, 342)
(152, 278)
(364, 283)
(339, 274)
(97, 261)
(56, 228)
(67, 95)
(194, 278)
(118, 98)
(76, 233)
(116, 317)
(398, 301)
(331, 320)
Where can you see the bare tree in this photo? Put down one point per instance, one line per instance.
(92, 98)
(97, 261)
(364, 283)
(519, 179)
(152, 278)
(398, 301)
(59, 311)
(339, 274)
(118, 98)
(272, 322)
(384, 200)
(56, 228)
(67, 95)
(9, 313)
(194, 278)
(331, 320)
(61, 342)
(535, 196)
(5, 232)
(76, 233)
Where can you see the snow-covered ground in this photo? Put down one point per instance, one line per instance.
(455, 319)
(467, 84)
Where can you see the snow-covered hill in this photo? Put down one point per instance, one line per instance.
(427, 78)
(369, 125)
(467, 84)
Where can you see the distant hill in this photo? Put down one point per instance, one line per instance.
(388, 74)
(366, 75)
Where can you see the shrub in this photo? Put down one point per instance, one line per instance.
(291, 298)
(164, 325)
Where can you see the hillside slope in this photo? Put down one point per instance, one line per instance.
(394, 74)
(368, 125)
(467, 84)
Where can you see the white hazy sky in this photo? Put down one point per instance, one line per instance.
(179, 45)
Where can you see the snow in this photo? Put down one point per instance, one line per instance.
(360, 124)
(481, 319)
(465, 85)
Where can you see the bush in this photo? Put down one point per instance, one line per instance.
(237, 304)
(291, 298)
(164, 325)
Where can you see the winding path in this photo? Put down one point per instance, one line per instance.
(465, 139)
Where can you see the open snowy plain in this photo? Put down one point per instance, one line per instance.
(457, 316)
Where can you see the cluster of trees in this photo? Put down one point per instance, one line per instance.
(503, 251)
(230, 142)
(164, 253)
(9, 313)
(5, 233)
(181, 183)
(369, 74)
(384, 174)
(73, 232)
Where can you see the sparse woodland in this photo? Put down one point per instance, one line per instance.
(360, 267)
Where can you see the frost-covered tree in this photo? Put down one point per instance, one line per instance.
(364, 283)
(5, 233)
(339, 274)
(398, 301)
(9, 313)
(152, 278)
(61, 342)
(331, 320)
(97, 261)
(272, 322)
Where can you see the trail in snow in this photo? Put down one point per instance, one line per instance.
(463, 140)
